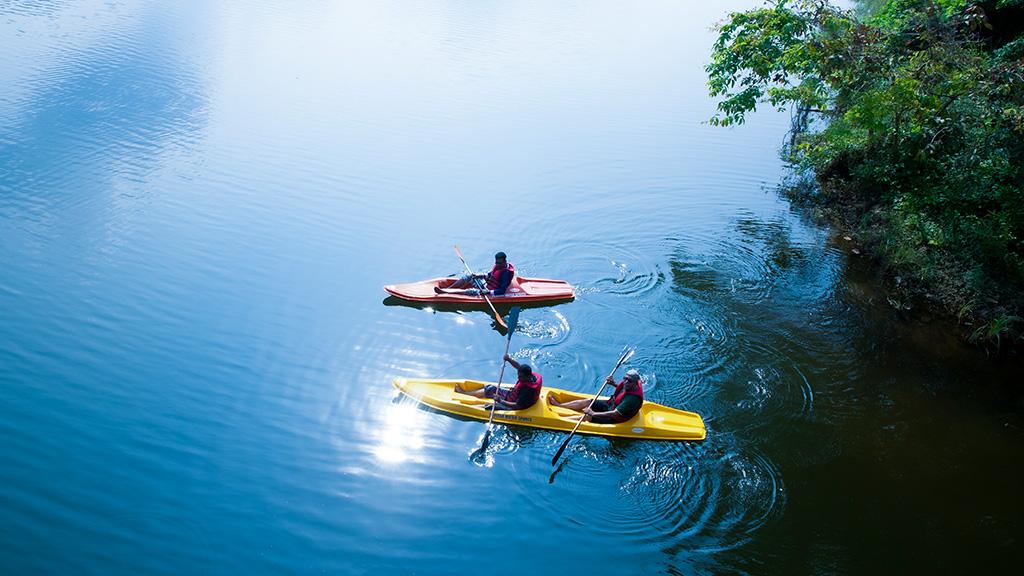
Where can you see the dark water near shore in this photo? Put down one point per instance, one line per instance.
(199, 205)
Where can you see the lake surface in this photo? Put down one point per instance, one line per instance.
(199, 204)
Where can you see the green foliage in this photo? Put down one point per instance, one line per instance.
(757, 57)
(913, 114)
(995, 329)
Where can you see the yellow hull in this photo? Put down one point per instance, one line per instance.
(654, 422)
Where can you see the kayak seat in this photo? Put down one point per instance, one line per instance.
(515, 288)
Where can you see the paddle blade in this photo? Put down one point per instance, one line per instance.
(560, 450)
(486, 441)
(513, 320)
(626, 355)
(497, 318)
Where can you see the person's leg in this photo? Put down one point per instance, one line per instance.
(577, 405)
(464, 281)
(465, 285)
(499, 405)
(485, 392)
(613, 419)
(478, 287)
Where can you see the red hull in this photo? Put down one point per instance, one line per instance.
(522, 290)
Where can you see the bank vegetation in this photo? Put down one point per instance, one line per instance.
(909, 130)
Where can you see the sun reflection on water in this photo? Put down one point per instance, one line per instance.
(401, 438)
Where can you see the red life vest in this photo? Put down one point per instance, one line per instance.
(525, 394)
(620, 394)
(494, 276)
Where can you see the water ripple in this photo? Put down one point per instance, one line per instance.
(627, 272)
(681, 496)
(545, 324)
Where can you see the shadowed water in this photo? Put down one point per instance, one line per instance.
(200, 203)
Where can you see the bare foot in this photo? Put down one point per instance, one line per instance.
(553, 402)
(458, 388)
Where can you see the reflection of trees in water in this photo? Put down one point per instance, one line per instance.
(749, 264)
(883, 389)
(746, 351)
(775, 240)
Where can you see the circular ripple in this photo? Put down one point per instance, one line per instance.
(684, 496)
(624, 271)
(768, 387)
(545, 324)
(741, 490)
(561, 368)
(695, 341)
(724, 268)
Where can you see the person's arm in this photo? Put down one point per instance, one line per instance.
(512, 361)
(502, 405)
(608, 381)
(613, 414)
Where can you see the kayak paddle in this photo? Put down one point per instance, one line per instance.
(488, 300)
(513, 319)
(627, 353)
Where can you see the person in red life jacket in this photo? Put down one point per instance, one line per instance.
(494, 283)
(521, 396)
(623, 404)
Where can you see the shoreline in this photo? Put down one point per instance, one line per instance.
(862, 231)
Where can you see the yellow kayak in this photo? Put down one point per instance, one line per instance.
(653, 422)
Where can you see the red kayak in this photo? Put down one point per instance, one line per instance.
(522, 290)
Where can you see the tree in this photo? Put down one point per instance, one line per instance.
(914, 117)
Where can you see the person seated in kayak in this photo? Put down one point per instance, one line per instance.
(520, 397)
(494, 283)
(623, 404)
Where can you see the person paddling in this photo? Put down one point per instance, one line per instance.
(520, 397)
(623, 404)
(494, 283)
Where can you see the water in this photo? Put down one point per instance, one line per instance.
(200, 203)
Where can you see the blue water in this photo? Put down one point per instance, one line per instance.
(199, 204)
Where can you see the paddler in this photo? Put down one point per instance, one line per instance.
(623, 404)
(520, 397)
(494, 283)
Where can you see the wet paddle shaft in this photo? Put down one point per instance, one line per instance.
(626, 355)
(513, 319)
(488, 300)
